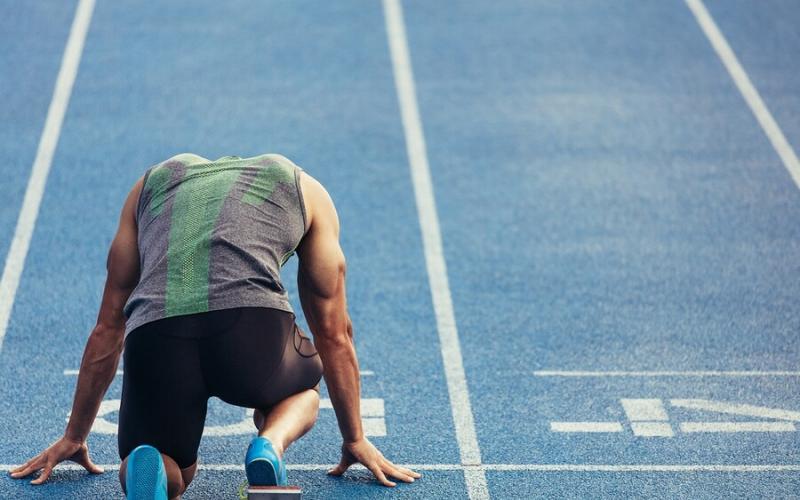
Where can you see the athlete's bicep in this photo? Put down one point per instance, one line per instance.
(321, 256)
(321, 272)
(122, 264)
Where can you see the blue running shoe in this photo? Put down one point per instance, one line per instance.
(262, 464)
(145, 476)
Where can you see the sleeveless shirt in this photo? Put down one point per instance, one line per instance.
(214, 235)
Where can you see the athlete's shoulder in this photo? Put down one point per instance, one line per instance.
(313, 189)
(273, 160)
(183, 159)
(318, 202)
(160, 172)
(278, 158)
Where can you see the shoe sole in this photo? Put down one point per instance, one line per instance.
(143, 475)
(261, 472)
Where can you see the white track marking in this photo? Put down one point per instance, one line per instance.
(75, 372)
(18, 252)
(585, 427)
(370, 407)
(498, 467)
(373, 426)
(665, 373)
(372, 415)
(648, 417)
(737, 427)
(644, 409)
(652, 429)
(642, 468)
(747, 89)
(736, 409)
(475, 479)
(434, 257)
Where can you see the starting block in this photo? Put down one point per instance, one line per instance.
(247, 492)
(273, 493)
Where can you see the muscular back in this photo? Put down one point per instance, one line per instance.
(214, 234)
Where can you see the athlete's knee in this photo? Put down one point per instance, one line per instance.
(259, 415)
(313, 394)
(122, 473)
(187, 473)
(176, 483)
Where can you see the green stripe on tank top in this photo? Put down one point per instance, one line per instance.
(197, 206)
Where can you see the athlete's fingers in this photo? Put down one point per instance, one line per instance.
(378, 473)
(393, 471)
(338, 470)
(23, 466)
(82, 458)
(344, 464)
(31, 467)
(408, 472)
(414, 474)
(48, 468)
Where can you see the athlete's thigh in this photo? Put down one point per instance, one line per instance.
(299, 370)
(164, 399)
(259, 360)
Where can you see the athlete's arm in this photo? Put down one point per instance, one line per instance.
(103, 349)
(102, 352)
(321, 283)
(320, 278)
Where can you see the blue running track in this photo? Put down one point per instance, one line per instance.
(622, 239)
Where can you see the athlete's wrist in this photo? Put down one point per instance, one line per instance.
(353, 438)
(73, 437)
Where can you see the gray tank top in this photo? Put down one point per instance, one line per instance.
(214, 235)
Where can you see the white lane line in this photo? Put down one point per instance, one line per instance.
(665, 373)
(747, 89)
(737, 427)
(18, 252)
(434, 258)
(643, 467)
(585, 427)
(736, 409)
(501, 467)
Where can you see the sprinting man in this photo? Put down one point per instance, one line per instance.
(194, 296)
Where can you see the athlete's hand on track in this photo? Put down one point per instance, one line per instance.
(369, 456)
(63, 449)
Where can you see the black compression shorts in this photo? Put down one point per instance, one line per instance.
(251, 357)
